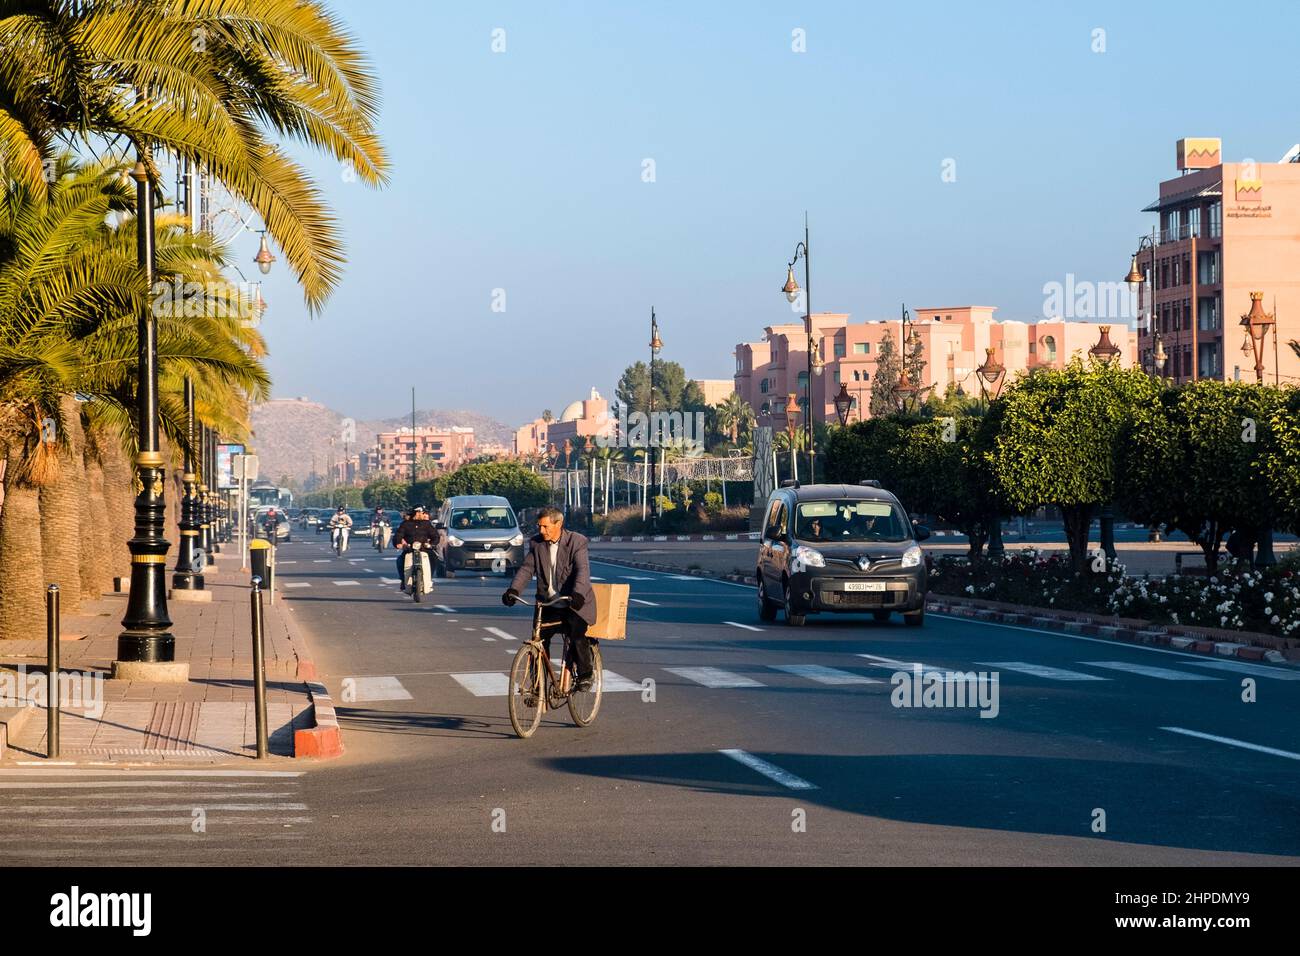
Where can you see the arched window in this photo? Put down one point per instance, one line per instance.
(762, 386)
(1049, 343)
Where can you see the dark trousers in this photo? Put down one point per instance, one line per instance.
(576, 628)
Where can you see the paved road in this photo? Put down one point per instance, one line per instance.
(759, 744)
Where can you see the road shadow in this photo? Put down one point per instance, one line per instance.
(1144, 803)
(369, 720)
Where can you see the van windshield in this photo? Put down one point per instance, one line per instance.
(844, 521)
(482, 519)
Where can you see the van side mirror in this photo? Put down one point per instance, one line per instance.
(920, 532)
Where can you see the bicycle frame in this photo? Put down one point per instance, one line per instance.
(548, 680)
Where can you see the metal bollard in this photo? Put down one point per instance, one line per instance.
(52, 669)
(259, 669)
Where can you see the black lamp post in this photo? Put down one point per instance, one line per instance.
(1107, 353)
(906, 390)
(656, 346)
(146, 635)
(1134, 278)
(991, 376)
(815, 364)
(1257, 323)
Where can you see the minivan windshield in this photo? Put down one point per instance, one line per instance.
(844, 521)
(482, 519)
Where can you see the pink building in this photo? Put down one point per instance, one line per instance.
(448, 447)
(586, 417)
(1225, 230)
(953, 340)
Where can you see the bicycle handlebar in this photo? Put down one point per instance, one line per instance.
(551, 603)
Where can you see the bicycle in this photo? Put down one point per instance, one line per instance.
(534, 687)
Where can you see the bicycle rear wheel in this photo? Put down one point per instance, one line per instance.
(524, 694)
(584, 705)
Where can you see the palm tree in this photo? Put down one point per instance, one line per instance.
(69, 291)
(426, 465)
(219, 82)
(735, 416)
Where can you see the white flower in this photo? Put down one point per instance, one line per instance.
(1274, 619)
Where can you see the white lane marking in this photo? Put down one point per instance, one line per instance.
(286, 562)
(612, 683)
(389, 581)
(500, 633)
(770, 770)
(747, 627)
(153, 821)
(370, 570)
(646, 603)
(469, 628)
(152, 808)
(1040, 670)
(823, 675)
(594, 578)
(378, 688)
(713, 677)
(443, 607)
(633, 577)
(1160, 673)
(151, 773)
(686, 577)
(321, 561)
(346, 584)
(943, 676)
(484, 684)
(1233, 743)
(1256, 670)
(296, 584)
(489, 638)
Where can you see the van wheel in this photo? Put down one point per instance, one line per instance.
(767, 608)
(914, 618)
(791, 618)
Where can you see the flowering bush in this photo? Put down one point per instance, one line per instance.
(1237, 597)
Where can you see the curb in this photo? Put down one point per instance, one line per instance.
(12, 720)
(617, 538)
(325, 738)
(1153, 635)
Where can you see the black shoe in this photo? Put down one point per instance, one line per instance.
(584, 684)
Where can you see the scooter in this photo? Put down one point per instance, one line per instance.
(417, 571)
(341, 540)
(379, 535)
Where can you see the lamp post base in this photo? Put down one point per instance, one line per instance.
(153, 672)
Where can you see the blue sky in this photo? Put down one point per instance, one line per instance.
(523, 171)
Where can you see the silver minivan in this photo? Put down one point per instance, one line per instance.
(477, 533)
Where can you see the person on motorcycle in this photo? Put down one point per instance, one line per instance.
(417, 527)
(268, 524)
(341, 519)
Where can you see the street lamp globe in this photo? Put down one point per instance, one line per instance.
(1134, 276)
(791, 287)
(264, 257)
(843, 404)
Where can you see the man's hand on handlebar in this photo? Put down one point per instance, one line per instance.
(510, 597)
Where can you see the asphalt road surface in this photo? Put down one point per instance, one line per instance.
(724, 740)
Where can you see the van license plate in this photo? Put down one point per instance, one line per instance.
(864, 585)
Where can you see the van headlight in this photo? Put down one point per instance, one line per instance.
(454, 541)
(517, 540)
(912, 556)
(806, 557)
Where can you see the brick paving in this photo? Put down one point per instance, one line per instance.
(210, 717)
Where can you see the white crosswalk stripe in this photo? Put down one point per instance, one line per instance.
(714, 677)
(295, 584)
(500, 633)
(769, 770)
(743, 627)
(363, 689)
(646, 603)
(823, 675)
(942, 675)
(151, 814)
(495, 684)
(346, 584)
(1039, 670)
(1145, 670)
(1254, 670)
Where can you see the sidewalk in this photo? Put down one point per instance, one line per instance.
(212, 717)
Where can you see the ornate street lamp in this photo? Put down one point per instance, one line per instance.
(264, 257)
(791, 290)
(1257, 322)
(791, 415)
(1135, 277)
(843, 404)
(1105, 351)
(991, 375)
(656, 346)
(1159, 357)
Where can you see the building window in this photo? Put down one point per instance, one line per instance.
(837, 376)
(1215, 217)
(839, 350)
(1176, 279)
(1207, 313)
(861, 348)
(1207, 267)
(803, 379)
(1208, 360)
(1164, 274)
(865, 377)
(762, 386)
(1194, 220)
(1049, 343)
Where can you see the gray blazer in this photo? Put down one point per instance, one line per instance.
(572, 570)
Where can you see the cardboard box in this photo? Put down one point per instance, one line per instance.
(611, 611)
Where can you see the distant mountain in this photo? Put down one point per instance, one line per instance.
(292, 436)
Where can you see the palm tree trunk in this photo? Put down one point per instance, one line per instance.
(97, 545)
(60, 504)
(22, 591)
(119, 499)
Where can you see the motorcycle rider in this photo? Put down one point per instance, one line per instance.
(417, 527)
(269, 521)
(378, 522)
(341, 519)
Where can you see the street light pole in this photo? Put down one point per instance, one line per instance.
(146, 635)
(791, 290)
(656, 345)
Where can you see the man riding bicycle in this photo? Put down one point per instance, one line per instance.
(559, 560)
(416, 527)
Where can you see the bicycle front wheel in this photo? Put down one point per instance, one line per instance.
(584, 705)
(527, 685)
